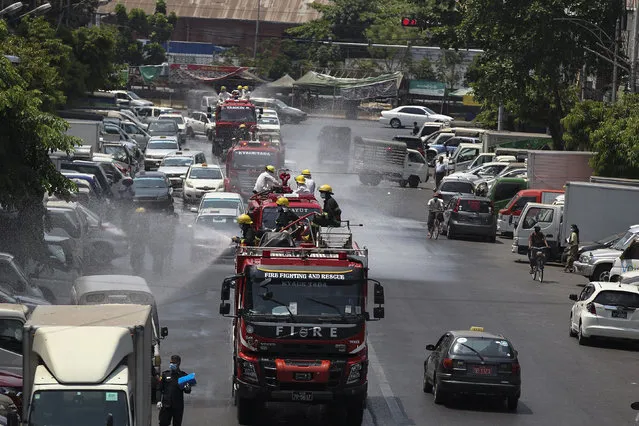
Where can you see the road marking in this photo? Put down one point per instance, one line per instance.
(389, 397)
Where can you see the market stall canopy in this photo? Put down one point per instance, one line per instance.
(385, 85)
(285, 82)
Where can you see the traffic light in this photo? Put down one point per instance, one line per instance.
(409, 22)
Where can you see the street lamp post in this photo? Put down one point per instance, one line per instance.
(257, 29)
(11, 8)
(38, 10)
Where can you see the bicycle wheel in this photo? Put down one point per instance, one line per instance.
(535, 273)
(436, 229)
(540, 268)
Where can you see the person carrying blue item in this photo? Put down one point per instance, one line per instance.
(171, 403)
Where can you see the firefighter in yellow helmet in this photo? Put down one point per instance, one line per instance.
(310, 183)
(246, 93)
(301, 186)
(285, 216)
(249, 236)
(331, 213)
(266, 180)
(224, 95)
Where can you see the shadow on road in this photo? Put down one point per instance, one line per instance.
(485, 404)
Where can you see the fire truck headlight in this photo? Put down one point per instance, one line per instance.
(355, 374)
(248, 371)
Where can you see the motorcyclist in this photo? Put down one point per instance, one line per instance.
(536, 239)
(332, 214)
(435, 208)
(266, 180)
(573, 247)
(310, 183)
(224, 95)
(301, 186)
(285, 216)
(249, 236)
(138, 235)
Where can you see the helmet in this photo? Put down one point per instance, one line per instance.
(439, 195)
(244, 219)
(242, 126)
(537, 228)
(300, 179)
(239, 87)
(270, 169)
(306, 172)
(140, 210)
(326, 188)
(245, 87)
(223, 88)
(282, 201)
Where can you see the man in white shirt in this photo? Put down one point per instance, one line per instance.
(440, 171)
(308, 181)
(302, 189)
(435, 208)
(266, 180)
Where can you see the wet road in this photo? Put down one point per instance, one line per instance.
(431, 287)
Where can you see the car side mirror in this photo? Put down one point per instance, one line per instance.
(225, 308)
(193, 209)
(635, 405)
(164, 331)
(225, 294)
(573, 297)
(378, 291)
(183, 177)
(378, 312)
(261, 110)
(109, 421)
(515, 224)
(430, 347)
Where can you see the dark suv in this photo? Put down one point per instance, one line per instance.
(153, 190)
(467, 214)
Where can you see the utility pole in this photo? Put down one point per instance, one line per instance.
(635, 45)
(615, 65)
(257, 29)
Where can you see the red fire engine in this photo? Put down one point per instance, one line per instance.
(229, 116)
(299, 323)
(244, 163)
(264, 211)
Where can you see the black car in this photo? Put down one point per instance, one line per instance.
(153, 190)
(471, 215)
(603, 243)
(473, 362)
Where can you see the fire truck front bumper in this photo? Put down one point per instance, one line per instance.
(308, 396)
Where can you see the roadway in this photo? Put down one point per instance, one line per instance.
(431, 287)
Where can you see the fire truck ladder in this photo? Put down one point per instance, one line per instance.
(338, 237)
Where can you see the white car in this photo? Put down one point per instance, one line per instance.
(631, 277)
(213, 231)
(220, 200)
(485, 171)
(157, 148)
(178, 119)
(605, 309)
(268, 112)
(197, 123)
(405, 116)
(628, 261)
(176, 165)
(200, 179)
(268, 125)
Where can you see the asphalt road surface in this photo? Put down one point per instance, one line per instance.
(431, 287)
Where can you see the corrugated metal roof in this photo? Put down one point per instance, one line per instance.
(284, 11)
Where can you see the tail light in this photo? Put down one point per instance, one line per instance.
(590, 307)
(456, 209)
(516, 369)
(447, 363)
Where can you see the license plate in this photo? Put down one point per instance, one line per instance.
(620, 314)
(303, 376)
(482, 371)
(302, 396)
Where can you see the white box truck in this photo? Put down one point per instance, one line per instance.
(552, 169)
(89, 131)
(88, 365)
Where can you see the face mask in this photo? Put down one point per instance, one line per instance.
(323, 195)
(173, 366)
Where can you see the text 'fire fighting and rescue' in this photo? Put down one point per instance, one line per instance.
(304, 276)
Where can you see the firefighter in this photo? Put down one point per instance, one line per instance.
(285, 216)
(235, 94)
(172, 403)
(332, 214)
(249, 236)
(301, 186)
(266, 180)
(243, 133)
(310, 183)
(224, 95)
(138, 234)
(246, 94)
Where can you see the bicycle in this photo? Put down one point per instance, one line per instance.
(538, 267)
(436, 228)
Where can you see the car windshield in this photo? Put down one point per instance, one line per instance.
(302, 297)
(149, 182)
(162, 145)
(217, 203)
(269, 214)
(177, 161)
(177, 119)
(452, 186)
(618, 298)
(205, 173)
(252, 159)
(133, 95)
(609, 239)
(486, 347)
(11, 335)
(163, 126)
(219, 223)
(624, 241)
(475, 206)
(268, 120)
(58, 407)
(117, 152)
(429, 111)
(237, 113)
(279, 103)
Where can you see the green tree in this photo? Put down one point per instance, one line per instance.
(449, 70)
(532, 54)
(580, 124)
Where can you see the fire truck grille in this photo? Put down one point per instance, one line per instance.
(269, 376)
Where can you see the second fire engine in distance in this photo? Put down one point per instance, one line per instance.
(200, 179)
(244, 163)
(299, 328)
(473, 362)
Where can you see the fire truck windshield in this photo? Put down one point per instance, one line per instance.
(269, 214)
(304, 297)
(237, 113)
(253, 159)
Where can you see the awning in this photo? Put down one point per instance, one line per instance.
(385, 85)
(285, 82)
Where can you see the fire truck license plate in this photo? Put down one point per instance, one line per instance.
(302, 396)
(303, 376)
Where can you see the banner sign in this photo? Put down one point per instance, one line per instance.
(426, 88)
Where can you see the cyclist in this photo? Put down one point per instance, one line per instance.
(435, 207)
(536, 239)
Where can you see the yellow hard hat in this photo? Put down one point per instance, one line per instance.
(306, 172)
(242, 126)
(239, 87)
(244, 219)
(300, 179)
(326, 188)
(282, 201)
(223, 88)
(245, 87)
(270, 169)
(140, 210)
